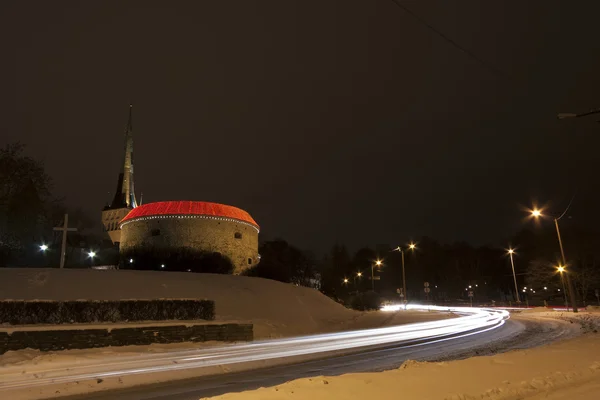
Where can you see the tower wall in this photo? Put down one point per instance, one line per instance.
(235, 240)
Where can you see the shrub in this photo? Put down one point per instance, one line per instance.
(366, 301)
(176, 259)
(88, 311)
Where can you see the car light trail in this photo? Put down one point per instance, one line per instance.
(471, 321)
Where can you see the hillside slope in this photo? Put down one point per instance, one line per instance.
(278, 307)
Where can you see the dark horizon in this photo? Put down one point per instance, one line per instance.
(342, 121)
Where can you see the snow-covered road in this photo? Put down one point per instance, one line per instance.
(257, 354)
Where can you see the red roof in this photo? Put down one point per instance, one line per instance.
(189, 208)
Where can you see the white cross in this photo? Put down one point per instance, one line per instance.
(63, 249)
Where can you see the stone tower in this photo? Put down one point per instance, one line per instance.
(124, 200)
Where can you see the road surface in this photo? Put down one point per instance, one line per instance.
(331, 354)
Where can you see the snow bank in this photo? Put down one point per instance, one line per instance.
(564, 370)
(276, 309)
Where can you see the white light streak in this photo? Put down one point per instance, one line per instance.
(471, 321)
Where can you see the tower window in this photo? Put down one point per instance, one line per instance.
(238, 235)
(155, 232)
(249, 261)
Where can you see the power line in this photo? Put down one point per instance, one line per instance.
(484, 63)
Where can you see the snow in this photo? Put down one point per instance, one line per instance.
(276, 309)
(568, 369)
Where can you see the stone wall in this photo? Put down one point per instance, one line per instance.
(235, 240)
(110, 222)
(52, 340)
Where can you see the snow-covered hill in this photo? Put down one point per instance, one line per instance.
(275, 308)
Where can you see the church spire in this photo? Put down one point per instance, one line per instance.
(125, 194)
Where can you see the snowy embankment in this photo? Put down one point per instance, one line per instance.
(568, 369)
(276, 309)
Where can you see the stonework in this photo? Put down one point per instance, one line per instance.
(110, 222)
(236, 240)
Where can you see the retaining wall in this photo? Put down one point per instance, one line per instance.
(64, 339)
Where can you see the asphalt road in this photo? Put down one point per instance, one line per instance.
(375, 358)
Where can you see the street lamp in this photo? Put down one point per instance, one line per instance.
(512, 263)
(412, 247)
(536, 213)
(378, 264)
(91, 256)
(573, 115)
(561, 269)
(43, 247)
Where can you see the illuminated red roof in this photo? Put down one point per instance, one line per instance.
(189, 208)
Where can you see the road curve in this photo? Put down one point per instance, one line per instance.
(342, 351)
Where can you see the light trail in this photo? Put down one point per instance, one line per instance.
(471, 321)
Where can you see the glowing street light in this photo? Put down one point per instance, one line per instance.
(131, 261)
(536, 213)
(511, 251)
(346, 280)
(92, 254)
(43, 247)
(412, 247)
(561, 269)
(378, 264)
(359, 274)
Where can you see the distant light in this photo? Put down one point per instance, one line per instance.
(436, 286)
(525, 287)
(510, 251)
(469, 286)
(345, 280)
(560, 269)
(162, 265)
(412, 246)
(359, 274)
(43, 247)
(189, 270)
(378, 263)
(536, 213)
(476, 285)
(559, 290)
(524, 290)
(92, 254)
(131, 261)
(545, 288)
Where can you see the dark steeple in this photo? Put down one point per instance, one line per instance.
(125, 194)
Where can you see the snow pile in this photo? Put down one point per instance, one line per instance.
(276, 309)
(563, 370)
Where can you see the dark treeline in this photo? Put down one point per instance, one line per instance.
(29, 211)
(451, 270)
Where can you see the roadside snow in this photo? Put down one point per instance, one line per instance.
(568, 369)
(276, 309)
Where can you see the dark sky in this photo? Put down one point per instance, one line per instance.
(328, 120)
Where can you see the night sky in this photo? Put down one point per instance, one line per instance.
(328, 120)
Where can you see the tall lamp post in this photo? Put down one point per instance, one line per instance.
(512, 263)
(377, 264)
(412, 247)
(359, 274)
(536, 213)
(561, 269)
